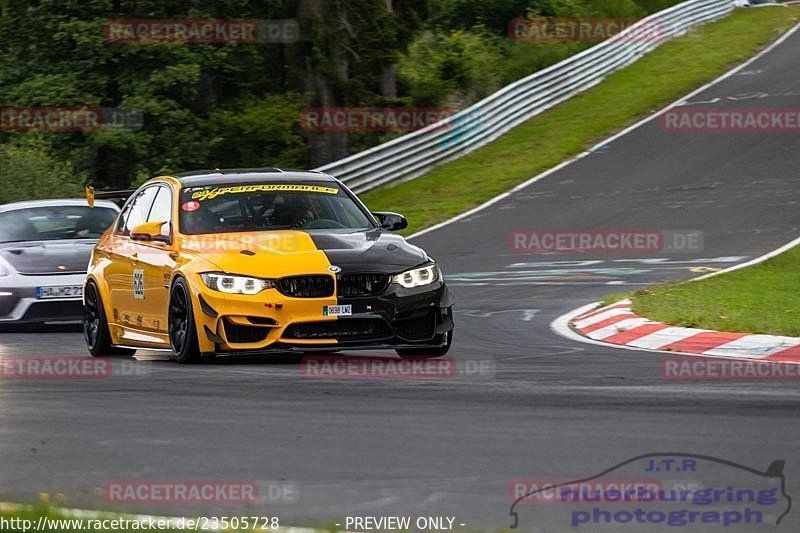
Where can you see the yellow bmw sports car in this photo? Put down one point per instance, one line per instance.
(260, 261)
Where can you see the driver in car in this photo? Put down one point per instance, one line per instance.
(295, 212)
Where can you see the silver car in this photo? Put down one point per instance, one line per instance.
(45, 247)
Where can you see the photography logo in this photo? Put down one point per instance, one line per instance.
(669, 490)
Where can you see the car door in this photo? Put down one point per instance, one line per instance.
(123, 273)
(153, 268)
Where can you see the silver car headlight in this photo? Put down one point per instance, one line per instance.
(233, 284)
(417, 277)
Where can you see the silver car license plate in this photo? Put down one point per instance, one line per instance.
(61, 291)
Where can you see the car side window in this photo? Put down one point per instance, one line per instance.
(123, 217)
(139, 209)
(162, 209)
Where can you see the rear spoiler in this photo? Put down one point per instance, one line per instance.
(91, 195)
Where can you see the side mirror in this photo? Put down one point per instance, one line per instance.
(391, 221)
(149, 232)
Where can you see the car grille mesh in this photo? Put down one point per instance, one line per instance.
(416, 329)
(342, 330)
(319, 286)
(69, 310)
(240, 334)
(348, 286)
(361, 284)
(7, 304)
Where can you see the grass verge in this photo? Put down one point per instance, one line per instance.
(759, 299)
(664, 75)
(613, 298)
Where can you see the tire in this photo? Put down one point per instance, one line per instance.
(427, 353)
(95, 325)
(182, 328)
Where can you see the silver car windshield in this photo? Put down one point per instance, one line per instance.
(47, 223)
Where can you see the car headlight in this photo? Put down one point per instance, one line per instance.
(233, 284)
(417, 277)
(3, 270)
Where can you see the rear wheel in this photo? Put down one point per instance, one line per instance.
(182, 328)
(95, 325)
(428, 353)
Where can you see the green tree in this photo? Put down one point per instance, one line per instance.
(258, 133)
(454, 68)
(29, 170)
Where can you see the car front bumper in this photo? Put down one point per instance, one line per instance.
(270, 321)
(19, 302)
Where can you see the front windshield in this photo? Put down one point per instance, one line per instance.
(229, 208)
(58, 222)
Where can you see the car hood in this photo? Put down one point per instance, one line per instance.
(48, 257)
(369, 251)
(286, 253)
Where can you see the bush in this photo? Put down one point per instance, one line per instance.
(258, 133)
(456, 68)
(29, 171)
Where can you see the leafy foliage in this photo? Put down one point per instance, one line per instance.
(238, 104)
(29, 171)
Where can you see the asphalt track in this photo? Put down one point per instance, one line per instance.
(550, 409)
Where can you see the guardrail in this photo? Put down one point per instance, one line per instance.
(411, 155)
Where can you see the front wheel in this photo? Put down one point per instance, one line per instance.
(182, 328)
(428, 353)
(95, 325)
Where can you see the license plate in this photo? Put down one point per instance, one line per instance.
(64, 291)
(337, 310)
